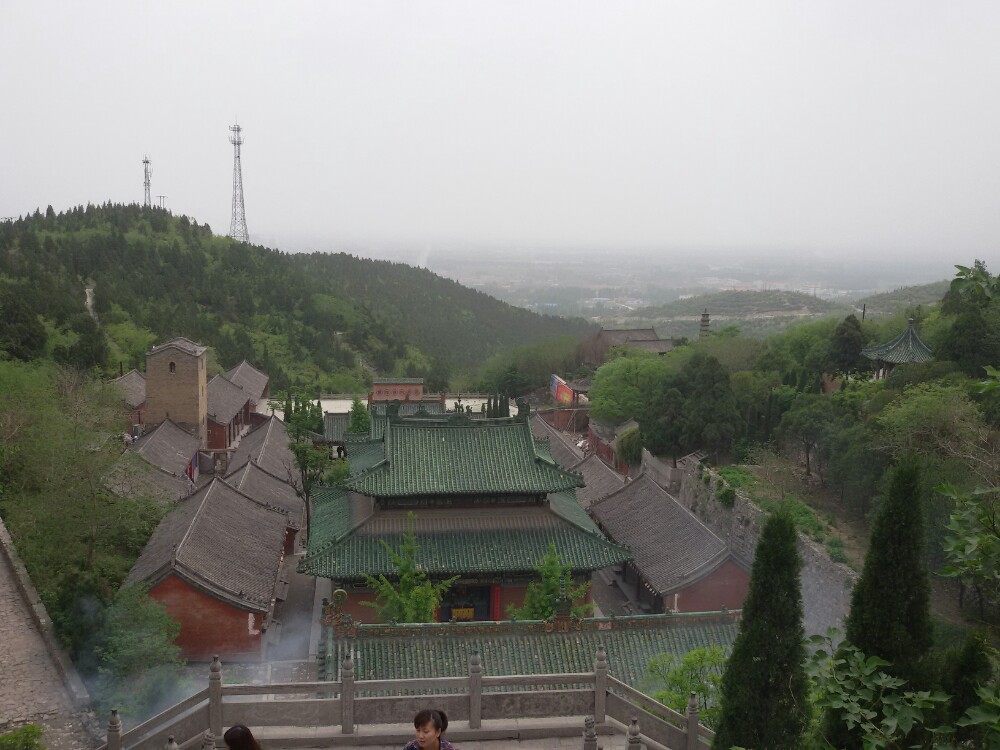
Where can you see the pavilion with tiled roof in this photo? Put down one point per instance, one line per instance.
(486, 505)
(905, 348)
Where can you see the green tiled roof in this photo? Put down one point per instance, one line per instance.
(462, 457)
(362, 456)
(906, 347)
(524, 648)
(345, 543)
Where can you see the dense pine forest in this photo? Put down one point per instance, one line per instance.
(325, 321)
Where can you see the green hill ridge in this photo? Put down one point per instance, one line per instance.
(330, 320)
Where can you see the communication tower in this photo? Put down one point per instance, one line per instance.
(145, 168)
(238, 226)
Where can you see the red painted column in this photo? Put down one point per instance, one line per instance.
(495, 613)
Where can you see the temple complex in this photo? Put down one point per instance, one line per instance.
(483, 498)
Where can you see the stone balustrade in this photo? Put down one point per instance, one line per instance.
(337, 708)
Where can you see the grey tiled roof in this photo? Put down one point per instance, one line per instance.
(249, 378)
(386, 652)
(671, 547)
(660, 346)
(185, 345)
(133, 388)
(628, 335)
(133, 476)
(563, 452)
(168, 447)
(266, 488)
(267, 445)
(601, 480)
(335, 425)
(225, 399)
(220, 541)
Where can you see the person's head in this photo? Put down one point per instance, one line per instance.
(238, 737)
(430, 725)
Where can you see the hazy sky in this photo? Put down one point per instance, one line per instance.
(834, 127)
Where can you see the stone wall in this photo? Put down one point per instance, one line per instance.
(826, 585)
(176, 388)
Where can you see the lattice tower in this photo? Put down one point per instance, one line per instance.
(238, 226)
(147, 201)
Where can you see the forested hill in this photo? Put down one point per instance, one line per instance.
(308, 319)
(889, 303)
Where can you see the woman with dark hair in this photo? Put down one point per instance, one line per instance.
(430, 725)
(238, 737)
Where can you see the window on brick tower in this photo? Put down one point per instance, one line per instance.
(173, 368)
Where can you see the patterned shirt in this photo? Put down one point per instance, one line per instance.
(445, 745)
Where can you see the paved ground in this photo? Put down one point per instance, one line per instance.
(610, 595)
(295, 614)
(31, 689)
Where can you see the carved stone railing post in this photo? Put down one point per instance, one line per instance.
(692, 722)
(475, 690)
(171, 744)
(208, 741)
(589, 734)
(633, 742)
(215, 700)
(114, 731)
(347, 695)
(600, 685)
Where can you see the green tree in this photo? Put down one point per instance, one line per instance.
(311, 465)
(972, 546)
(710, 419)
(865, 705)
(890, 605)
(699, 671)
(22, 334)
(808, 423)
(360, 420)
(846, 345)
(412, 596)
(630, 446)
(552, 588)
(764, 687)
(139, 661)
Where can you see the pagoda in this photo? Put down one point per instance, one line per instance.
(484, 499)
(906, 347)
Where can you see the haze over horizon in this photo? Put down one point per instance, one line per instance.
(844, 130)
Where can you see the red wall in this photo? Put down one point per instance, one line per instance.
(360, 613)
(575, 420)
(392, 391)
(216, 437)
(725, 587)
(209, 626)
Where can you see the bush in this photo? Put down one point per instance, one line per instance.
(726, 494)
(737, 476)
(835, 549)
(28, 737)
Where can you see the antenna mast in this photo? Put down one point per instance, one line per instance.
(238, 226)
(145, 168)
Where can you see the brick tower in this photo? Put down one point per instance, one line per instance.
(176, 376)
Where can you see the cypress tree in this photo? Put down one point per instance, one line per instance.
(763, 693)
(890, 606)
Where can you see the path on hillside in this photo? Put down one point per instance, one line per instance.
(31, 688)
(89, 302)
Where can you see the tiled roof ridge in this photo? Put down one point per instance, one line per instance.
(553, 432)
(310, 554)
(173, 343)
(265, 506)
(589, 532)
(125, 375)
(251, 462)
(513, 627)
(237, 597)
(159, 469)
(155, 434)
(206, 490)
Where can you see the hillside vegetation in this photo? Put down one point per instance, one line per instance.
(889, 303)
(320, 320)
